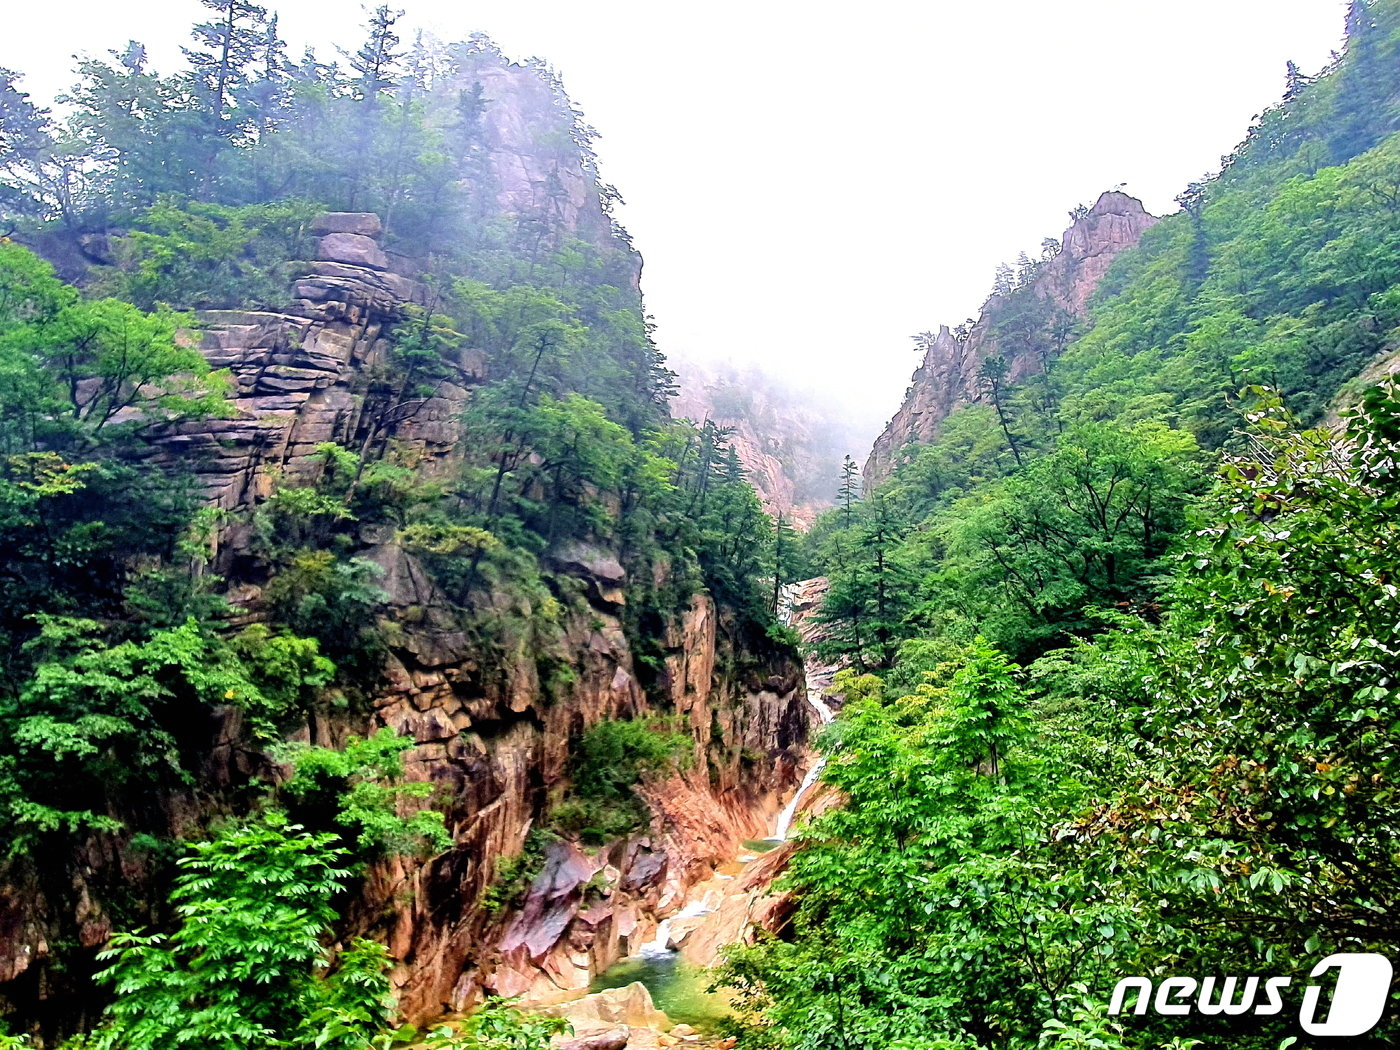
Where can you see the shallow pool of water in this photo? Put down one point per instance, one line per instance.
(761, 845)
(677, 987)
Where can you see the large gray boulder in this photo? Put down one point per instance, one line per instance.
(355, 250)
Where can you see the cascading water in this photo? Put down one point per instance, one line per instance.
(679, 987)
(658, 945)
(661, 943)
(785, 818)
(824, 713)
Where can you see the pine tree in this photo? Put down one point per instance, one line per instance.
(223, 61)
(266, 97)
(848, 495)
(376, 61)
(992, 375)
(1362, 118)
(34, 179)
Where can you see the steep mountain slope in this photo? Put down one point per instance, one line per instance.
(791, 443)
(1122, 634)
(1026, 326)
(434, 471)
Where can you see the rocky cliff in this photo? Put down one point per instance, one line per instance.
(790, 443)
(533, 160)
(1026, 328)
(486, 726)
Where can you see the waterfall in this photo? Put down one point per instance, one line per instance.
(824, 713)
(659, 945)
(785, 818)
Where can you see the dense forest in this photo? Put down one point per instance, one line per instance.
(132, 611)
(1117, 648)
(1121, 642)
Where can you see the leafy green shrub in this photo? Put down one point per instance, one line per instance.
(495, 1025)
(514, 875)
(246, 968)
(331, 600)
(614, 755)
(611, 759)
(195, 254)
(451, 552)
(289, 672)
(98, 720)
(359, 791)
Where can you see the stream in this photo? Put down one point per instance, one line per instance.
(680, 988)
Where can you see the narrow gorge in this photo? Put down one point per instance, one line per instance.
(399, 649)
(488, 684)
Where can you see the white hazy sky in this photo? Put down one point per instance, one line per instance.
(811, 183)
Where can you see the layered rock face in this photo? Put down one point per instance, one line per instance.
(948, 375)
(487, 729)
(302, 376)
(498, 748)
(490, 715)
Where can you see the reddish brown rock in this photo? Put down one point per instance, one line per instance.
(490, 726)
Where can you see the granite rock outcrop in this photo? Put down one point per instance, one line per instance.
(490, 718)
(948, 375)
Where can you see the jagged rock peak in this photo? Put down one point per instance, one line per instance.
(947, 376)
(1114, 224)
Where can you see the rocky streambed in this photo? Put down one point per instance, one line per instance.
(659, 994)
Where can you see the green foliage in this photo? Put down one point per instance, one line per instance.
(515, 874)
(120, 641)
(82, 372)
(1078, 529)
(612, 758)
(98, 722)
(1271, 698)
(330, 600)
(288, 671)
(495, 1025)
(1211, 794)
(192, 254)
(360, 792)
(246, 967)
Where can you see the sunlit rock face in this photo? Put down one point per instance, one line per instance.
(499, 742)
(948, 374)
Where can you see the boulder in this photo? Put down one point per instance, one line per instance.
(354, 250)
(629, 1005)
(362, 223)
(607, 1039)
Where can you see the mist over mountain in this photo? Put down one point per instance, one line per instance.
(399, 648)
